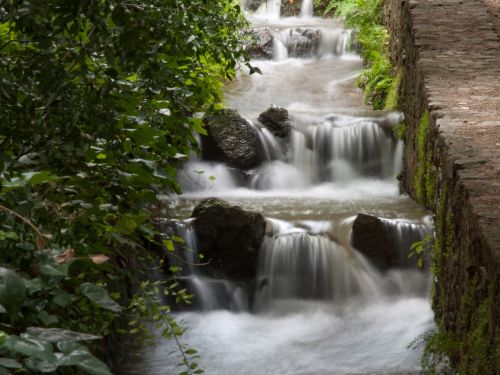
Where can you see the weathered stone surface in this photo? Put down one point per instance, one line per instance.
(231, 139)
(450, 55)
(229, 237)
(276, 120)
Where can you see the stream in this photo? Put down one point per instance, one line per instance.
(323, 308)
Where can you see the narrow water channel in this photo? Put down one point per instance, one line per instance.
(322, 307)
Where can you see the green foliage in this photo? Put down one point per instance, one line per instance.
(99, 103)
(438, 348)
(391, 102)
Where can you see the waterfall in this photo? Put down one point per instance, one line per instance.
(406, 233)
(280, 46)
(270, 8)
(350, 148)
(306, 9)
(398, 158)
(301, 265)
(315, 304)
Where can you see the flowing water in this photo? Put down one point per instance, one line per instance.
(320, 306)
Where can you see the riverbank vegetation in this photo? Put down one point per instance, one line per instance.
(379, 80)
(99, 103)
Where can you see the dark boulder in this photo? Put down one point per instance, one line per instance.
(231, 139)
(229, 237)
(387, 242)
(276, 120)
(373, 239)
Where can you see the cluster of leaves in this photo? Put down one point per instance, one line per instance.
(99, 102)
(366, 17)
(421, 249)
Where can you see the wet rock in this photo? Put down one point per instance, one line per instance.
(262, 48)
(276, 120)
(290, 8)
(253, 5)
(231, 139)
(229, 237)
(303, 42)
(372, 238)
(300, 42)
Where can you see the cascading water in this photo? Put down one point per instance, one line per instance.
(209, 293)
(306, 9)
(319, 306)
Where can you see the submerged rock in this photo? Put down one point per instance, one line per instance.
(229, 237)
(276, 120)
(231, 139)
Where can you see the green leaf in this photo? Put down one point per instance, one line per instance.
(10, 363)
(55, 335)
(63, 299)
(37, 178)
(100, 297)
(8, 236)
(127, 224)
(46, 318)
(79, 356)
(33, 348)
(12, 291)
(38, 365)
(197, 125)
(34, 285)
(54, 269)
(169, 245)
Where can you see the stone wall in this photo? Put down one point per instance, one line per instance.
(449, 55)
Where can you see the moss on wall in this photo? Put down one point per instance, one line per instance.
(425, 176)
